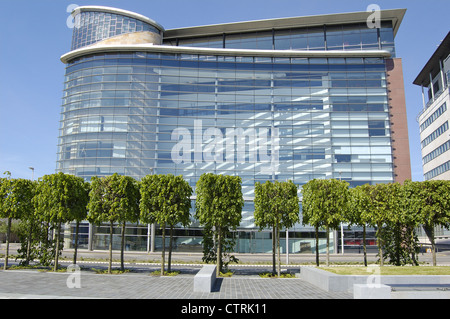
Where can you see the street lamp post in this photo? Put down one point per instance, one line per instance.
(151, 232)
(32, 173)
(342, 225)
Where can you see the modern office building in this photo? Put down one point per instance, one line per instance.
(434, 117)
(293, 98)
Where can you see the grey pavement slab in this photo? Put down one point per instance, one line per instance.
(32, 284)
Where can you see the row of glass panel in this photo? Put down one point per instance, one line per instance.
(144, 65)
(226, 91)
(187, 84)
(441, 149)
(211, 59)
(140, 161)
(298, 102)
(350, 36)
(433, 117)
(441, 169)
(91, 27)
(300, 174)
(435, 134)
(352, 132)
(210, 69)
(300, 239)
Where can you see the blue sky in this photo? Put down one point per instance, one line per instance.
(34, 34)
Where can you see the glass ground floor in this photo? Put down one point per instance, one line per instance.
(149, 238)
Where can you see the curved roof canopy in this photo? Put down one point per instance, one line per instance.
(394, 15)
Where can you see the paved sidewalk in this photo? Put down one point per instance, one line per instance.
(32, 284)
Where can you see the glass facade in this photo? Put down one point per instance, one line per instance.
(259, 117)
(331, 115)
(356, 36)
(94, 26)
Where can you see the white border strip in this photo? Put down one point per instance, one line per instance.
(99, 48)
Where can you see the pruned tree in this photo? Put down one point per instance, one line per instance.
(113, 199)
(59, 198)
(323, 205)
(385, 207)
(219, 207)
(276, 206)
(430, 202)
(15, 203)
(165, 199)
(385, 204)
(359, 208)
(79, 215)
(399, 241)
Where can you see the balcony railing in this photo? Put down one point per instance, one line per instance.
(431, 101)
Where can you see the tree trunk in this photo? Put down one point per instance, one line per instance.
(413, 247)
(327, 229)
(58, 232)
(110, 246)
(398, 243)
(75, 251)
(380, 245)
(317, 246)
(278, 249)
(8, 234)
(163, 254)
(364, 245)
(29, 241)
(274, 249)
(219, 250)
(169, 262)
(429, 230)
(122, 247)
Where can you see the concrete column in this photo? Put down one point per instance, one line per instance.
(423, 98)
(90, 237)
(442, 74)
(431, 87)
(152, 249)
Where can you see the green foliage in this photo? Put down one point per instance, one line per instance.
(325, 202)
(165, 199)
(400, 244)
(385, 207)
(219, 200)
(15, 197)
(113, 198)
(276, 206)
(219, 207)
(360, 205)
(60, 198)
(394, 210)
(428, 203)
(15, 203)
(210, 241)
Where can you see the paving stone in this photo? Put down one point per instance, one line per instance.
(35, 284)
